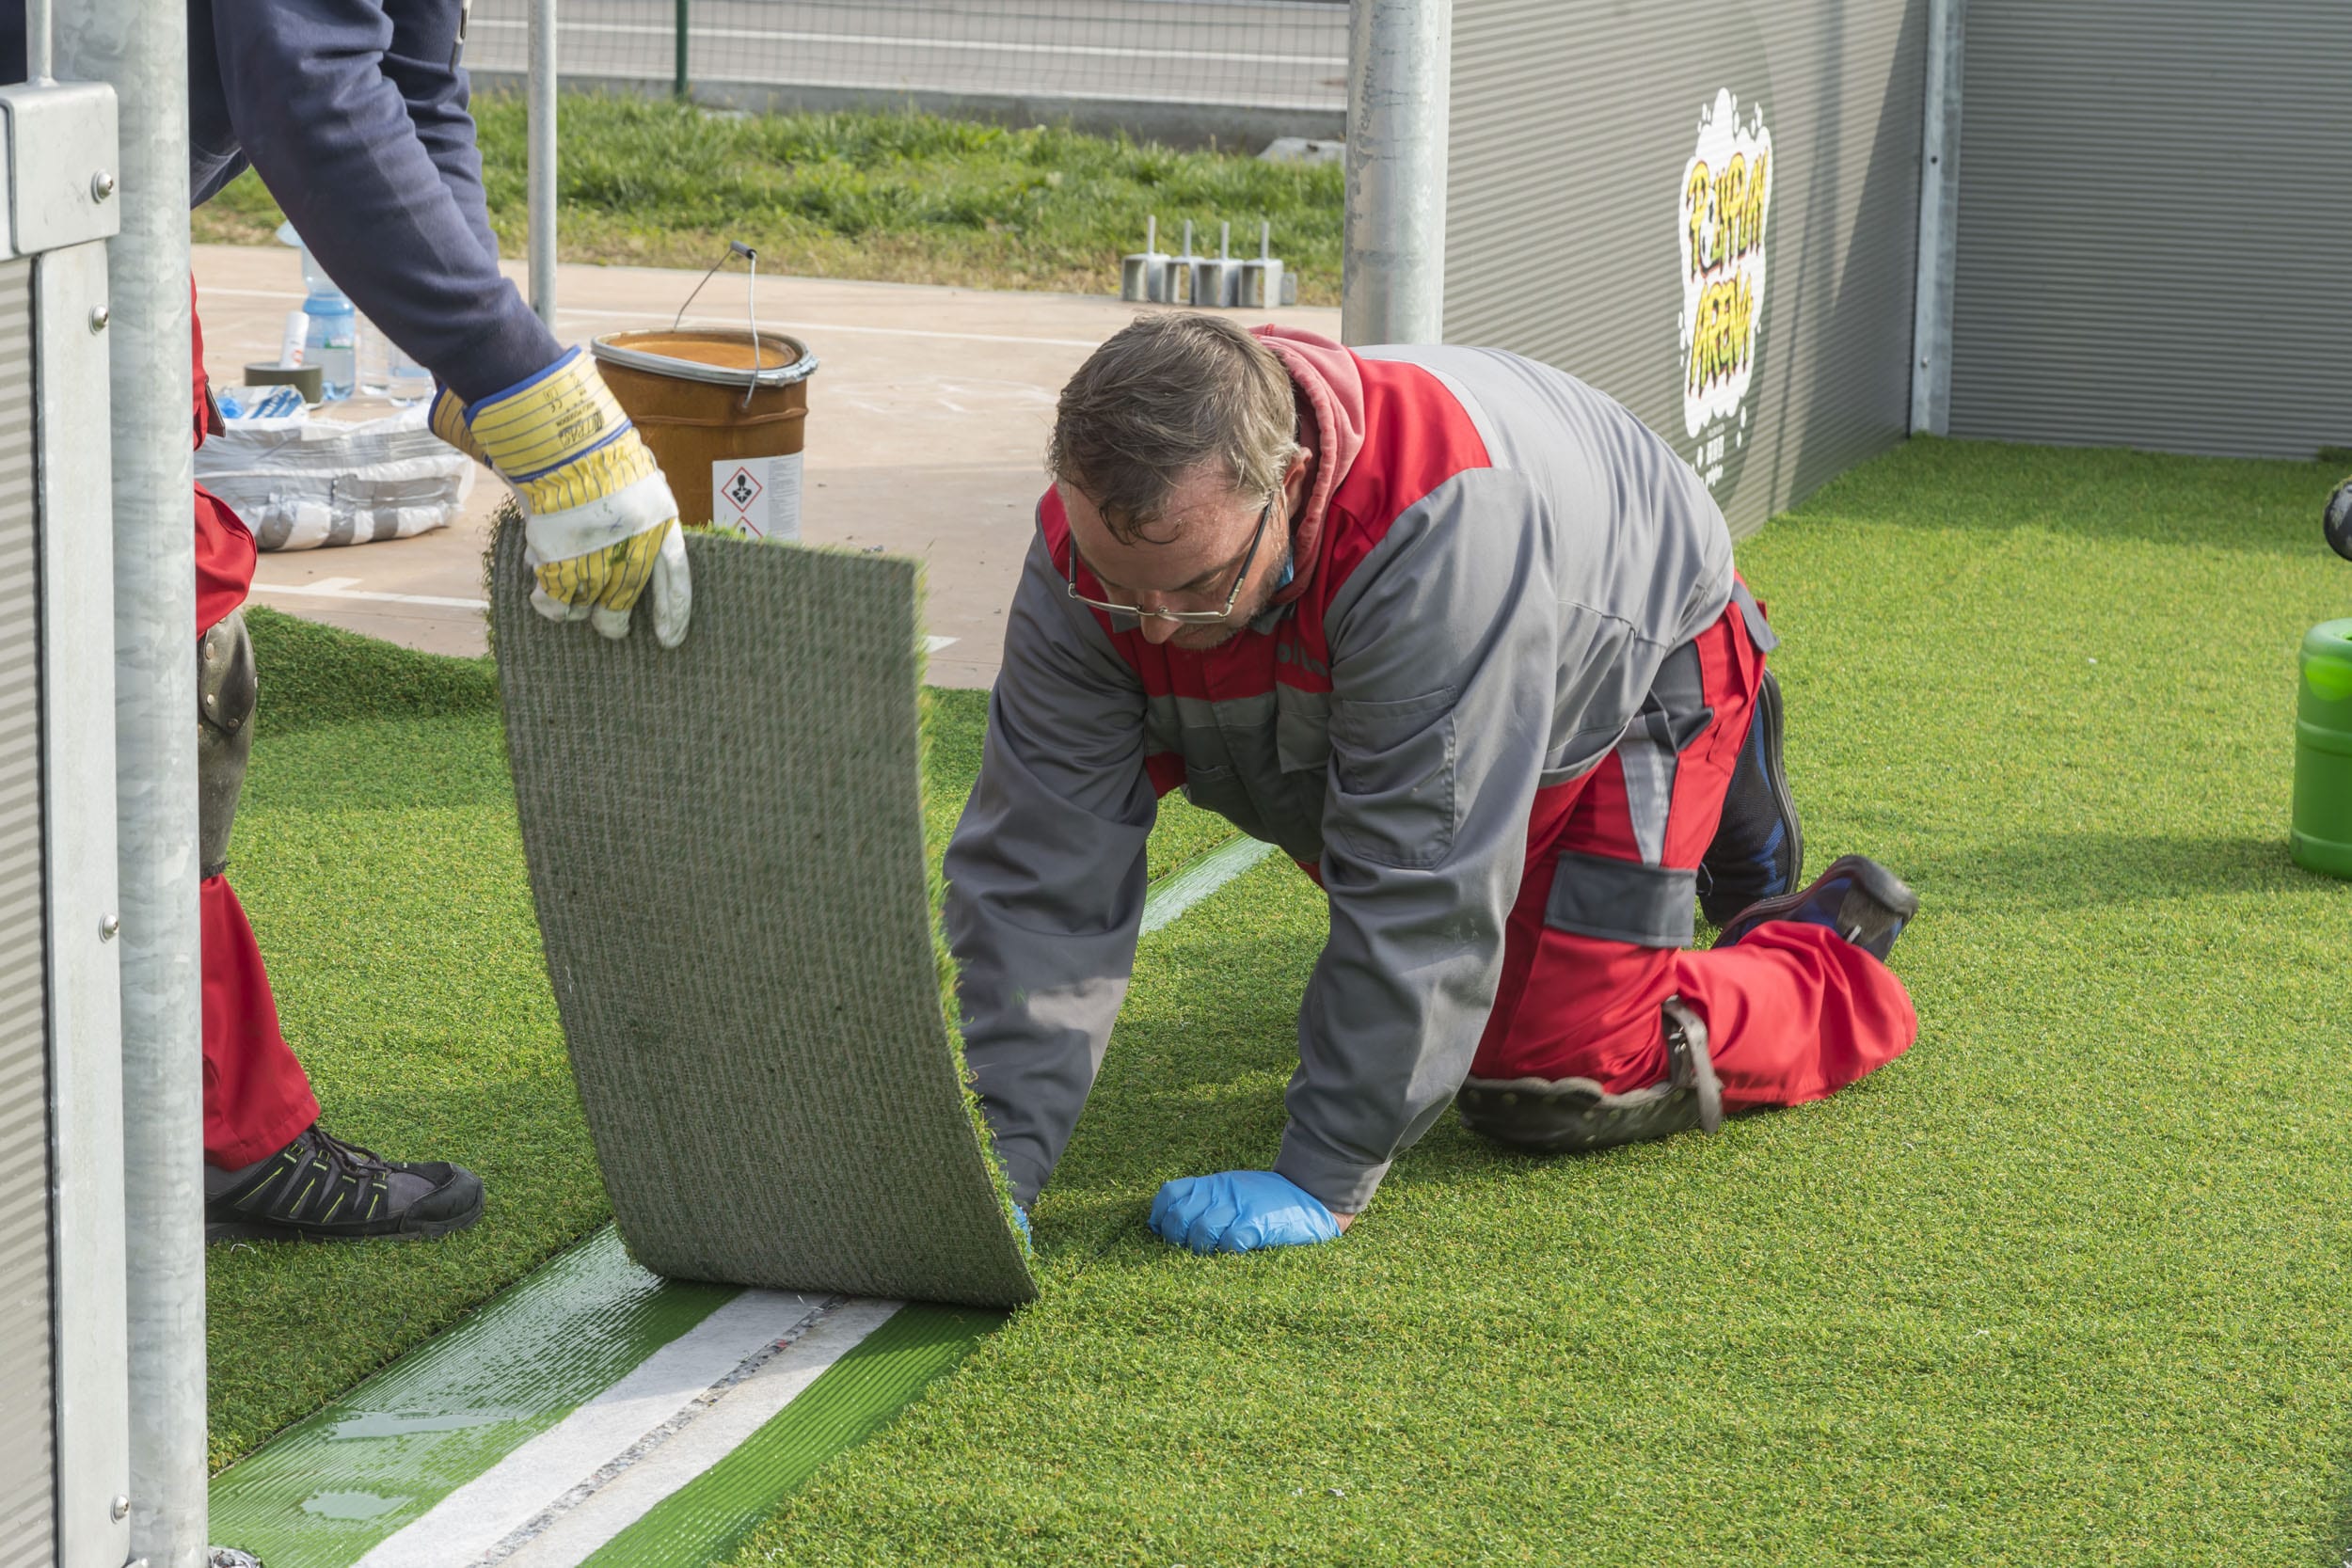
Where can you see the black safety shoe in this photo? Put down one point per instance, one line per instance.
(319, 1188)
(1857, 897)
(2337, 520)
(1759, 847)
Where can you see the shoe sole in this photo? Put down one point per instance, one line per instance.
(264, 1230)
(1885, 888)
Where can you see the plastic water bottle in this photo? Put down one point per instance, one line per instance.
(386, 371)
(329, 342)
(330, 333)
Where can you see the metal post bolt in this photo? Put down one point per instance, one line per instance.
(101, 184)
(121, 1509)
(108, 929)
(99, 317)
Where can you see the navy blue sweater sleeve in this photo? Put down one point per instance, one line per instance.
(354, 113)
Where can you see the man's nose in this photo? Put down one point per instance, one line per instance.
(1157, 631)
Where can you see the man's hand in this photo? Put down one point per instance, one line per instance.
(598, 519)
(1241, 1211)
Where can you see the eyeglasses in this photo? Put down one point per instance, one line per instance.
(1182, 617)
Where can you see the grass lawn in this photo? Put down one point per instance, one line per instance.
(2063, 1285)
(902, 198)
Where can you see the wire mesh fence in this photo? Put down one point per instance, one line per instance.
(1257, 54)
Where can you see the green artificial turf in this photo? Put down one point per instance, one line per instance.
(2063, 1285)
(375, 851)
(892, 197)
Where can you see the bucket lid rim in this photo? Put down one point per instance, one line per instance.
(613, 348)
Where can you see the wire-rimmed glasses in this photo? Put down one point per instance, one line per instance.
(1182, 617)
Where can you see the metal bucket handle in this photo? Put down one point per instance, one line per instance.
(751, 306)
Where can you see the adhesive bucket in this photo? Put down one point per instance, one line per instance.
(2321, 838)
(727, 429)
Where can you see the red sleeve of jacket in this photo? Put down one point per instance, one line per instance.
(225, 552)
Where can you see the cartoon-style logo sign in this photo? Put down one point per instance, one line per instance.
(1726, 199)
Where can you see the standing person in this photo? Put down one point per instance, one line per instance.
(354, 113)
(1464, 639)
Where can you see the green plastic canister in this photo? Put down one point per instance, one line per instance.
(2321, 838)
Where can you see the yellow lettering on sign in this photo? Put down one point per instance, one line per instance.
(1718, 340)
(1730, 204)
(1752, 204)
(1726, 191)
(1696, 202)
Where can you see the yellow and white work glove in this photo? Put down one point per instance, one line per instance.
(599, 526)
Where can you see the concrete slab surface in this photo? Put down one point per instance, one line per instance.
(927, 434)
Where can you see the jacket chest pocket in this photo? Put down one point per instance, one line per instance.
(1268, 782)
(1394, 779)
(1215, 786)
(1302, 732)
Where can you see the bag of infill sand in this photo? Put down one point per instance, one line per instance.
(301, 482)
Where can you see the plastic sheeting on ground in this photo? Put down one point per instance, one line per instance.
(725, 844)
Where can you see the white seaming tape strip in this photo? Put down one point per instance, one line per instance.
(1188, 884)
(469, 1523)
(573, 1535)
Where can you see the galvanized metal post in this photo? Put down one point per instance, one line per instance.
(678, 83)
(1939, 222)
(140, 48)
(540, 173)
(1400, 64)
(41, 56)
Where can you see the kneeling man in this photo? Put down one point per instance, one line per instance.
(1462, 636)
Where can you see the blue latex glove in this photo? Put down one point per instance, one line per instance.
(1021, 1222)
(1240, 1210)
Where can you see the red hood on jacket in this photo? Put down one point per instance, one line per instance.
(1332, 387)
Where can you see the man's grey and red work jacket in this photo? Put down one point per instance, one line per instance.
(1493, 564)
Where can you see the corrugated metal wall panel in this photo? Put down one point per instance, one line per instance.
(2154, 230)
(27, 1444)
(1572, 126)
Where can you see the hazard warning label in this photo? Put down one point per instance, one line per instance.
(759, 495)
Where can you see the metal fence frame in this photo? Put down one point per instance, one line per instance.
(660, 60)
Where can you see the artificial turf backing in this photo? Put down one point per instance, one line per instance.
(375, 851)
(2063, 1285)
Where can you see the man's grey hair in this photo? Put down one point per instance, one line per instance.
(1164, 395)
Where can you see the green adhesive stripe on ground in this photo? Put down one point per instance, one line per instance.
(854, 1398)
(330, 1488)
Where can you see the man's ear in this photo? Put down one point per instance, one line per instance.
(1297, 478)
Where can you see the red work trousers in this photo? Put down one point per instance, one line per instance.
(257, 1097)
(1793, 1012)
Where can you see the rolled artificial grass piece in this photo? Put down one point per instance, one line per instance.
(726, 847)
